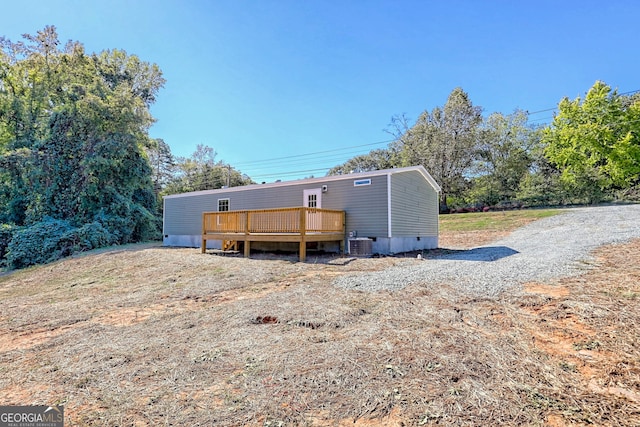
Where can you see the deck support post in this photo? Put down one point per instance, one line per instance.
(303, 233)
(247, 245)
(203, 246)
(300, 225)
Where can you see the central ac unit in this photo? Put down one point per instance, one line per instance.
(360, 247)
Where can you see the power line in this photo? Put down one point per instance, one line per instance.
(277, 175)
(315, 153)
(332, 158)
(555, 108)
(540, 111)
(541, 119)
(305, 167)
(263, 168)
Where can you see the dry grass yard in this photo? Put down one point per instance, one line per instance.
(150, 336)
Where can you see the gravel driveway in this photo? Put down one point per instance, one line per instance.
(547, 249)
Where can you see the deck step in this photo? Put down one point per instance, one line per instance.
(229, 245)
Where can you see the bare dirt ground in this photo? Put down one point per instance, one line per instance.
(155, 336)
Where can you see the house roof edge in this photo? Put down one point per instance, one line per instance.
(330, 178)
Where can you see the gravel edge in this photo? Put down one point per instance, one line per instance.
(545, 250)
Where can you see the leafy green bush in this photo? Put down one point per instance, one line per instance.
(89, 236)
(6, 233)
(36, 244)
(483, 192)
(52, 239)
(629, 195)
(542, 189)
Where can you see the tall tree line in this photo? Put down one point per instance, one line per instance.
(589, 153)
(200, 171)
(73, 140)
(595, 143)
(78, 169)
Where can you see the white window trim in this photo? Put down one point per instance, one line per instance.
(228, 204)
(390, 234)
(317, 192)
(361, 182)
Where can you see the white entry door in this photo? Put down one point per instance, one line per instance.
(313, 199)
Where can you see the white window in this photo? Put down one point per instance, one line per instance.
(313, 198)
(223, 205)
(360, 182)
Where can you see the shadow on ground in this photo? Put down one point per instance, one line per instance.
(486, 253)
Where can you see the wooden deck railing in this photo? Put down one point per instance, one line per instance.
(285, 224)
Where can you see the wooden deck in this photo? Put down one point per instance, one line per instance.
(298, 224)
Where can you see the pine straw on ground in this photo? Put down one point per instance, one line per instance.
(156, 336)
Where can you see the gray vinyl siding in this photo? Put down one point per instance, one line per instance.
(414, 206)
(183, 215)
(365, 206)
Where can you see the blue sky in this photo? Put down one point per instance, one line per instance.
(281, 79)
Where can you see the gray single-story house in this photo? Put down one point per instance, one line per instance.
(397, 209)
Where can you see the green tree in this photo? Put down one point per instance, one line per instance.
(542, 186)
(201, 171)
(73, 133)
(163, 164)
(595, 142)
(374, 160)
(503, 157)
(444, 141)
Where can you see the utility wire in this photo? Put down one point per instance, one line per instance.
(277, 175)
(555, 108)
(262, 169)
(313, 154)
(540, 111)
(311, 160)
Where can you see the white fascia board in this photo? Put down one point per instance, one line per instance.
(325, 179)
(389, 233)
